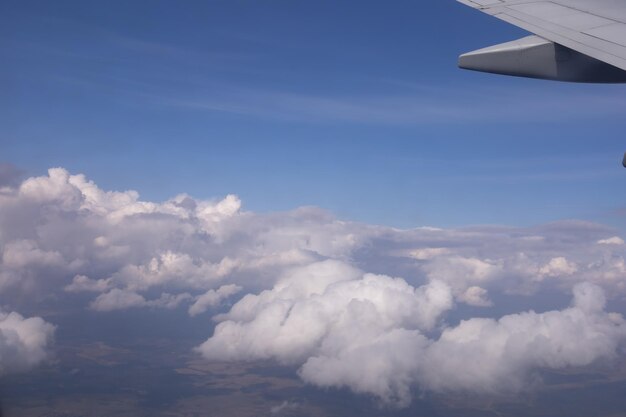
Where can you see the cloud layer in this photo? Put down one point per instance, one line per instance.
(354, 305)
(371, 333)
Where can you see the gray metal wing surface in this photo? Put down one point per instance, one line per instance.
(577, 40)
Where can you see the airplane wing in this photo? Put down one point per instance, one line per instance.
(575, 40)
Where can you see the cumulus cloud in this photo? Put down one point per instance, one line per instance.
(494, 355)
(322, 304)
(22, 253)
(557, 267)
(338, 323)
(318, 292)
(465, 275)
(23, 342)
(61, 231)
(370, 334)
(475, 296)
(81, 283)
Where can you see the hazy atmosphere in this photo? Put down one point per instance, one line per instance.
(291, 208)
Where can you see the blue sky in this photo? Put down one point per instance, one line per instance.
(356, 107)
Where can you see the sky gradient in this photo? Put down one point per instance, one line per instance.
(294, 208)
(353, 107)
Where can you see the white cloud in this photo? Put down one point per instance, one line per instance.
(337, 323)
(615, 240)
(169, 301)
(212, 298)
(81, 283)
(558, 267)
(285, 406)
(465, 275)
(23, 342)
(475, 296)
(424, 254)
(487, 355)
(178, 269)
(320, 307)
(23, 253)
(117, 299)
(300, 287)
(383, 365)
(110, 239)
(369, 334)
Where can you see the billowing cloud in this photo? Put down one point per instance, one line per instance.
(558, 267)
(343, 326)
(23, 342)
(370, 334)
(488, 355)
(321, 307)
(350, 304)
(465, 275)
(475, 296)
(62, 231)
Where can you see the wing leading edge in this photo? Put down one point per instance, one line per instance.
(575, 40)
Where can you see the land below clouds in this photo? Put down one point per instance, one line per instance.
(156, 373)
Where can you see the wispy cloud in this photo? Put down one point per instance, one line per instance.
(431, 106)
(168, 73)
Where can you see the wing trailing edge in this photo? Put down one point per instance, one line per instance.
(536, 57)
